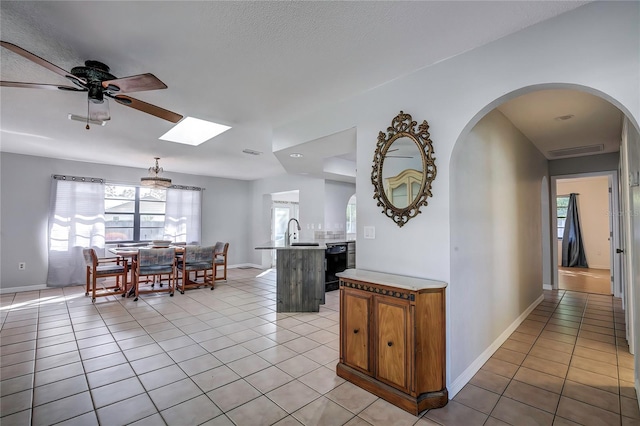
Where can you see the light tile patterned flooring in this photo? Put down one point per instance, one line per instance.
(225, 357)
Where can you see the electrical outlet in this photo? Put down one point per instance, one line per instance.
(22, 266)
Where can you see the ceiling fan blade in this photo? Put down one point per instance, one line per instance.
(42, 62)
(135, 83)
(145, 107)
(41, 86)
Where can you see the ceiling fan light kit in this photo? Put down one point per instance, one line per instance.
(95, 79)
(83, 119)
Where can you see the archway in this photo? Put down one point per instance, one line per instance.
(497, 216)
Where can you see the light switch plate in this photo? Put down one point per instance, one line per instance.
(370, 232)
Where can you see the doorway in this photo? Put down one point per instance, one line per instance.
(284, 206)
(597, 211)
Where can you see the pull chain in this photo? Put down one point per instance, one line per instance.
(87, 126)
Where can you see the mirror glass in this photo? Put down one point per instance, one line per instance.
(403, 169)
(402, 172)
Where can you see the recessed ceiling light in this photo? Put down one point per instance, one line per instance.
(564, 117)
(193, 131)
(296, 155)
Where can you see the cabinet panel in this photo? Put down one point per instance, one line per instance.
(391, 321)
(430, 341)
(356, 330)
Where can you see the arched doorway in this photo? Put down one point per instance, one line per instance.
(497, 225)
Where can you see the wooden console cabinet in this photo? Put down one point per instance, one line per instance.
(392, 338)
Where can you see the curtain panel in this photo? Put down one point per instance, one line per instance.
(76, 221)
(573, 254)
(183, 215)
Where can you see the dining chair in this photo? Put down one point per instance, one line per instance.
(132, 264)
(220, 259)
(155, 262)
(104, 268)
(196, 259)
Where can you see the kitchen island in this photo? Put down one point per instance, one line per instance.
(299, 277)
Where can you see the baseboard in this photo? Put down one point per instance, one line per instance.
(24, 288)
(547, 287)
(599, 267)
(477, 364)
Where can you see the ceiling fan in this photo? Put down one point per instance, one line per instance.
(396, 156)
(95, 79)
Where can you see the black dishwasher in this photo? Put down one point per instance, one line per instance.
(335, 260)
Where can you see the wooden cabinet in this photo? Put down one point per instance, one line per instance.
(392, 338)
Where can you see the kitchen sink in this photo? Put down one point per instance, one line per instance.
(305, 244)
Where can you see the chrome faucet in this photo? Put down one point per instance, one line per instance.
(287, 235)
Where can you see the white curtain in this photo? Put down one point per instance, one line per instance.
(76, 220)
(182, 216)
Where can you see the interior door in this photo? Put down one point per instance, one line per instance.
(280, 215)
(616, 240)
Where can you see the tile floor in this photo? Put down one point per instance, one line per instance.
(224, 357)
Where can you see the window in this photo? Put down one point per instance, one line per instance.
(134, 213)
(351, 215)
(562, 204)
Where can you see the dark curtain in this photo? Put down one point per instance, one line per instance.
(572, 247)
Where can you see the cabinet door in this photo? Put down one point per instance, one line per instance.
(356, 329)
(391, 341)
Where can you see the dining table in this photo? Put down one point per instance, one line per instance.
(131, 253)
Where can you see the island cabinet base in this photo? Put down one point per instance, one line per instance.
(300, 280)
(414, 405)
(392, 338)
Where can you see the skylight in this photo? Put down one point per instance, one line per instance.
(193, 131)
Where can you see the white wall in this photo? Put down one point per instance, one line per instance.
(496, 234)
(593, 210)
(585, 164)
(320, 206)
(311, 209)
(594, 48)
(336, 198)
(25, 183)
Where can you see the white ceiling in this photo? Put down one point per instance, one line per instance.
(595, 123)
(250, 65)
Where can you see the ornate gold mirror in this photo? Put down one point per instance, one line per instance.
(403, 168)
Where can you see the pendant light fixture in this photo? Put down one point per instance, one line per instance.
(154, 180)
